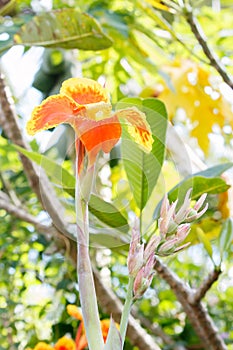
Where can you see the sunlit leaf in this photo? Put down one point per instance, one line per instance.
(66, 28)
(143, 169)
(204, 104)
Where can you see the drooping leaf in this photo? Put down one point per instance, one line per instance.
(108, 213)
(202, 182)
(66, 28)
(114, 341)
(226, 236)
(104, 211)
(143, 169)
(59, 175)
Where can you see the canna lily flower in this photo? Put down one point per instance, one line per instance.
(85, 105)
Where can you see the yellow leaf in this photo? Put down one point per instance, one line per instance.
(160, 5)
(202, 102)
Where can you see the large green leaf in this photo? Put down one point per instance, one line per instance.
(206, 181)
(104, 211)
(66, 28)
(143, 169)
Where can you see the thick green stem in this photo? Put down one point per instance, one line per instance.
(87, 292)
(126, 310)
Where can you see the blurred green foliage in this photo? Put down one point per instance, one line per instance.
(37, 279)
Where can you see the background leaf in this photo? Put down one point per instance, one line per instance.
(226, 236)
(104, 211)
(66, 28)
(143, 169)
(201, 182)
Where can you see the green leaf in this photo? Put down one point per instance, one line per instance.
(114, 341)
(108, 213)
(201, 182)
(204, 240)
(226, 236)
(143, 169)
(216, 170)
(66, 28)
(59, 175)
(104, 211)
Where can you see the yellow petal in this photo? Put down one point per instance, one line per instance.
(74, 311)
(84, 91)
(137, 127)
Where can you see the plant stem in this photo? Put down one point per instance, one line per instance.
(126, 310)
(87, 291)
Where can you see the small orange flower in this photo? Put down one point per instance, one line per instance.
(65, 343)
(85, 105)
(81, 340)
(43, 346)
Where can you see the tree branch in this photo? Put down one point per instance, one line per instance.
(204, 287)
(200, 36)
(36, 176)
(197, 314)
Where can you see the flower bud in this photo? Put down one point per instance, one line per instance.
(144, 278)
(151, 247)
(136, 250)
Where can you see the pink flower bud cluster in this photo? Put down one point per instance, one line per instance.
(174, 227)
(141, 261)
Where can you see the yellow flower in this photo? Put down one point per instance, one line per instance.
(43, 346)
(65, 343)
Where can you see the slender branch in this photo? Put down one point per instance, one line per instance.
(200, 36)
(204, 287)
(197, 314)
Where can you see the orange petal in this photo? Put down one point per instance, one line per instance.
(82, 344)
(137, 127)
(84, 91)
(51, 112)
(98, 135)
